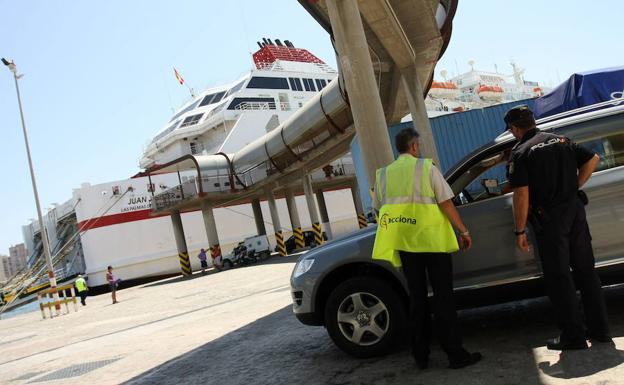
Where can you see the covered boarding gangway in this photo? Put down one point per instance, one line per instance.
(205, 189)
(387, 51)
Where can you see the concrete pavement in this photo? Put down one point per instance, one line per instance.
(236, 327)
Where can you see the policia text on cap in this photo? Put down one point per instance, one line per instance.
(545, 172)
(415, 232)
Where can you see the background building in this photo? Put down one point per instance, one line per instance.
(14, 262)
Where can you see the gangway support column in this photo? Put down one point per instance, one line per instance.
(211, 228)
(320, 198)
(357, 69)
(257, 212)
(314, 217)
(279, 235)
(295, 221)
(359, 208)
(178, 232)
(415, 99)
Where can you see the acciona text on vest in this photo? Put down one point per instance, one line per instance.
(386, 220)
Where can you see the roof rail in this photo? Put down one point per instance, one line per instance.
(608, 103)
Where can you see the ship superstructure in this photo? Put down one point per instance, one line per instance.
(226, 118)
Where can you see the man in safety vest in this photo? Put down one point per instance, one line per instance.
(415, 231)
(82, 288)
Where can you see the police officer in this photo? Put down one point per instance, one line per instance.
(414, 231)
(545, 172)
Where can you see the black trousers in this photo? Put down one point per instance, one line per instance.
(83, 296)
(565, 243)
(439, 268)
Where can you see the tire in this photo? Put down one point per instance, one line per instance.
(265, 255)
(227, 264)
(390, 319)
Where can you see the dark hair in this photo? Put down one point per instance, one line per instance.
(404, 138)
(109, 267)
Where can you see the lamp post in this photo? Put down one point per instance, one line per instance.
(44, 234)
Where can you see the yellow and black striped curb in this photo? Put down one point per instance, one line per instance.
(299, 241)
(185, 263)
(281, 246)
(362, 222)
(318, 233)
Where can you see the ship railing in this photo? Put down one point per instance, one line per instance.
(256, 106)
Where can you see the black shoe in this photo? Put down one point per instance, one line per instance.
(464, 360)
(601, 338)
(558, 344)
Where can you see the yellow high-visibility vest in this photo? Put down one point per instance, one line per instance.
(409, 218)
(81, 284)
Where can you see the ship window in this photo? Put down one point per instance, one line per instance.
(218, 97)
(320, 84)
(191, 120)
(184, 111)
(308, 84)
(268, 83)
(295, 84)
(212, 98)
(252, 104)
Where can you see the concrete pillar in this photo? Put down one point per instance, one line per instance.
(257, 212)
(359, 208)
(279, 236)
(415, 99)
(320, 198)
(357, 69)
(314, 217)
(178, 232)
(295, 222)
(211, 228)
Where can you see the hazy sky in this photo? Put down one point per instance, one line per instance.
(99, 81)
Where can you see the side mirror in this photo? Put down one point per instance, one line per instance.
(491, 186)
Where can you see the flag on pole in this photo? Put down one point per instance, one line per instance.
(178, 76)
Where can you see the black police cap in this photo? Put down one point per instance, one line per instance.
(516, 114)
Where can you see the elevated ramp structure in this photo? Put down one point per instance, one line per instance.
(387, 51)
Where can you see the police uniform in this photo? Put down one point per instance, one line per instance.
(548, 164)
(414, 233)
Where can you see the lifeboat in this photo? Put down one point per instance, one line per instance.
(490, 93)
(538, 91)
(443, 90)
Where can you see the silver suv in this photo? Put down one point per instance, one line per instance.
(363, 303)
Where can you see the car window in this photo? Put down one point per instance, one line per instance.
(604, 136)
(610, 149)
(487, 178)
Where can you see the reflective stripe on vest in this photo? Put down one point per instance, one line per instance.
(409, 218)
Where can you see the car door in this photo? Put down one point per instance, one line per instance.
(605, 211)
(487, 212)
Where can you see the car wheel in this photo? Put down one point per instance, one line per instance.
(227, 264)
(365, 317)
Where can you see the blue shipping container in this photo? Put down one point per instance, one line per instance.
(456, 135)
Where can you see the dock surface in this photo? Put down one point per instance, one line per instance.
(236, 327)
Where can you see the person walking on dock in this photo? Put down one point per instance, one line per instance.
(203, 260)
(82, 288)
(113, 283)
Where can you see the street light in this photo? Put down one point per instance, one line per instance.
(44, 234)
